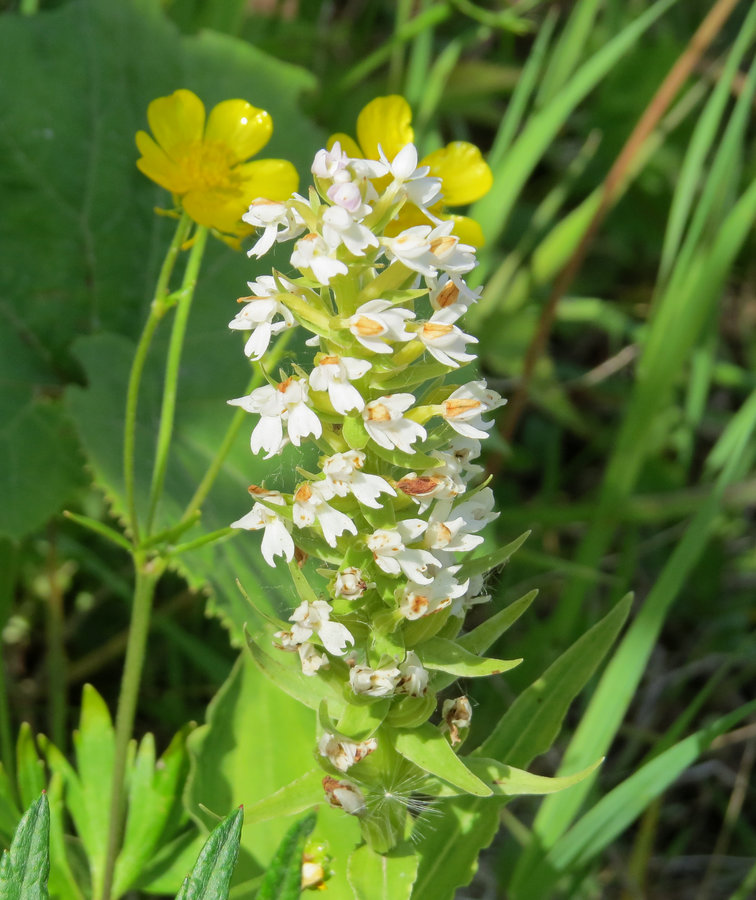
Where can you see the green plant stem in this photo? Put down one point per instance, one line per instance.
(158, 309)
(173, 363)
(272, 359)
(147, 576)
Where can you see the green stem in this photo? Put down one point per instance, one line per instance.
(271, 361)
(158, 309)
(147, 575)
(173, 363)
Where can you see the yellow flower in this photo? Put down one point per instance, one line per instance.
(464, 174)
(202, 163)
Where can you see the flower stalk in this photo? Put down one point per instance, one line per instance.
(397, 505)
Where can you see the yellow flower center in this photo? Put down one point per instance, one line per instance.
(209, 165)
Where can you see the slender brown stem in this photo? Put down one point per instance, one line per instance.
(659, 104)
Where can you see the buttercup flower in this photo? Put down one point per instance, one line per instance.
(386, 122)
(202, 163)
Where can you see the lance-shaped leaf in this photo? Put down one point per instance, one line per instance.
(532, 722)
(154, 806)
(500, 557)
(428, 749)
(302, 794)
(448, 656)
(383, 876)
(30, 770)
(487, 633)
(283, 880)
(211, 876)
(507, 781)
(26, 865)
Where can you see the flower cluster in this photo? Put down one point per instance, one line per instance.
(398, 503)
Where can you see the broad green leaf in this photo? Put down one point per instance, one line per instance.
(448, 656)
(428, 749)
(618, 809)
(30, 770)
(256, 740)
(211, 877)
(40, 459)
(25, 867)
(283, 878)
(533, 721)
(79, 96)
(154, 806)
(302, 794)
(383, 876)
(449, 839)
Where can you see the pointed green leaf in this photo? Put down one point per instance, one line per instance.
(533, 721)
(448, 656)
(500, 557)
(154, 806)
(487, 633)
(383, 876)
(211, 877)
(26, 866)
(427, 748)
(30, 770)
(283, 880)
(94, 747)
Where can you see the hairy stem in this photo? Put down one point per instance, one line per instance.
(173, 363)
(158, 309)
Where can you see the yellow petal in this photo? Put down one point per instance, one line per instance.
(274, 179)
(348, 145)
(177, 120)
(467, 230)
(408, 217)
(243, 128)
(157, 166)
(465, 174)
(215, 209)
(385, 121)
